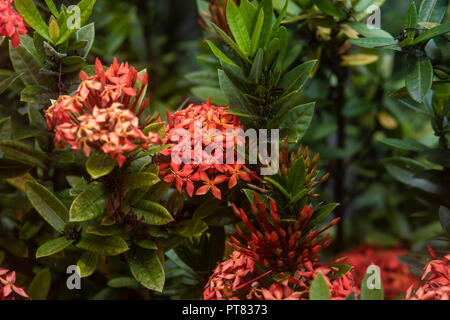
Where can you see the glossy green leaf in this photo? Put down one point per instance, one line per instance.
(433, 33)
(419, 77)
(330, 8)
(147, 268)
(297, 176)
(99, 164)
(49, 207)
(220, 55)
(152, 213)
(89, 204)
(31, 15)
(257, 32)
(298, 121)
(432, 10)
(410, 23)
(53, 246)
(237, 101)
(297, 77)
(123, 282)
(238, 27)
(385, 43)
(107, 246)
(88, 263)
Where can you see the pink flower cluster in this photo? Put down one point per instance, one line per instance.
(437, 280)
(11, 23)
(103, 113)
(8, 287)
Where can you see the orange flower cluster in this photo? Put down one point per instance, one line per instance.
(437, 280)
(103, 113)
(276, 244)
(7, 285)
(395, 276)
(11, 23)
(208, 128)
(238, 278)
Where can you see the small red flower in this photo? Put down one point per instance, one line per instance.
(7, 285)
(203, 135)
(436, 279)
(11, 23)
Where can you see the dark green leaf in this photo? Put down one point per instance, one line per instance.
(99, 164)
(49, 207)
(419, 77)
(107, 246)
(89, 204)
(406, 144)
(433, 33)
(152, 212)
(53, 246)
(87, 263)
(40, 285)
(31, 15)
(147, 268)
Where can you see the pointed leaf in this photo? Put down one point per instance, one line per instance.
(146, 268)
(53, 246)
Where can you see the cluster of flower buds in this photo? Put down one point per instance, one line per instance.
(203, 137)
(280, 245)
(8, 287)
(437, 280)
(238, 278)
(11, 23)
(217, 15)
(104, 113)
(395, 275)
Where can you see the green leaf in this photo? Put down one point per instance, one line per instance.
(27, 61)
(297, 176)
(87, 263)
(410, 23)
(320, 214)
(330, 8)
(86, 33)
(53, 246)
(403, 169)
(152, 213)
(371, 285)
(319, 288)
(432, 10)
(248, 11)
(5, 84)
(146, 244)
(51, 5)
(351, 296)
(123, 282)
(296, 78)
(146, 268)
(257, 67)
(141, 180)
(406, 144)
(21, 152)
(362, 5)
(85, 7)
(37, 95)
(12, 169)
(5, 129)
(89, 204)
(230, 42)
(237, 101)
(257, 33)
(238, 27)
(107, 246)
(47, 205)
(40, 285)
(364, 30)
(298, 121)
(31, 15)
(433, 33)
(386, 43)
(444, 217)
(419, 78)
(266, 6)
(219, 54)
(205, 92)
(342, 269)
(279, 187)
(99, 164)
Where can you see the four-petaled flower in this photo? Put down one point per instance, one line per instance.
(7, 285)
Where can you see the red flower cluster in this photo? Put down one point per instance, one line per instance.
(278, 245)
(437, 277)
(194, 131)
(7, 286)
(395, 276)
(238, 278)
(103, 113)
(11, 23)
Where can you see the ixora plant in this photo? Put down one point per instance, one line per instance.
(189, 203)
